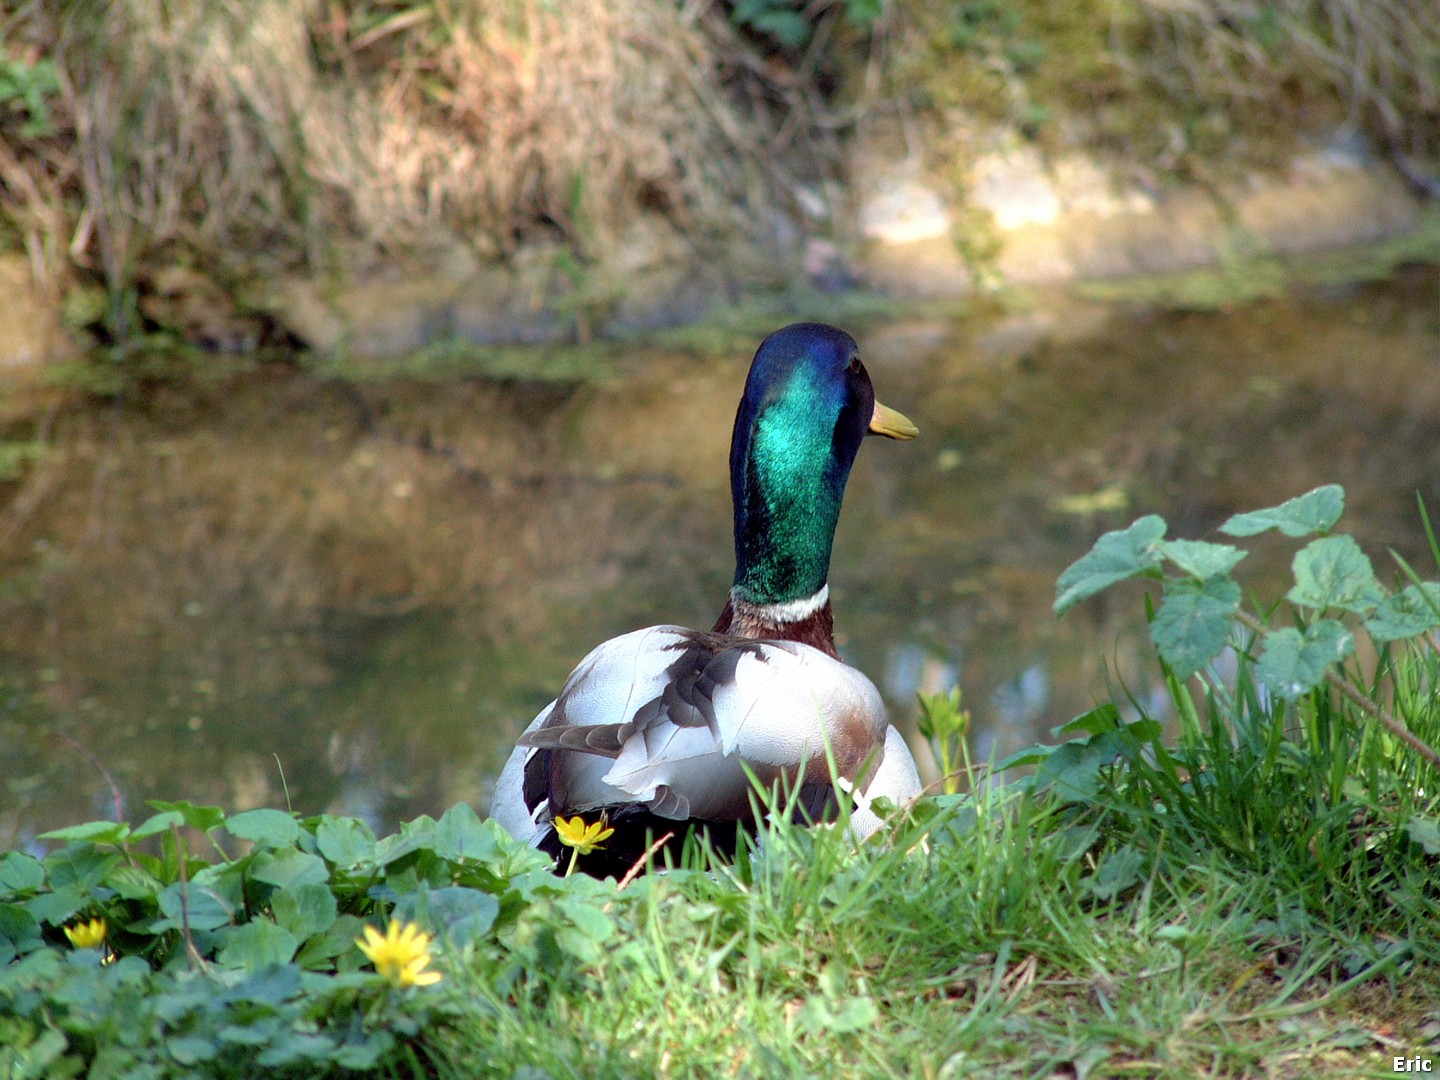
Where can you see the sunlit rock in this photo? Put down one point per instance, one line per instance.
(903, 209)
(30, 329)
(1014, 186)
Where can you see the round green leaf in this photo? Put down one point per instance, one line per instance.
(288, 868)
(191, 1049)
(1333, 572)
(19, 930)
(346, 842)
(195, 906)
(1295, 663)
(1193, 623)
(203, 818)
(265, 827)
(461, 834)
(94, 832)
(157, 823)
(256, 945)
(1426, 833)
(20, 873)
(457, 913)
(304, 910)
(1200, 559)
(1413, 610)
(1315, 511)
(1115, 557)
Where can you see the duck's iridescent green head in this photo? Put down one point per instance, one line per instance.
(808, 403)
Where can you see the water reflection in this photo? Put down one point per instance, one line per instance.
(260, 592)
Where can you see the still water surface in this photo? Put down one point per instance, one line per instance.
(350, 597)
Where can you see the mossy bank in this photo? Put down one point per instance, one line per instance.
(371, 178)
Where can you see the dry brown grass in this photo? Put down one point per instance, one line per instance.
(323, 133)
(1378, 62)
(1194, 89)
(246, 136)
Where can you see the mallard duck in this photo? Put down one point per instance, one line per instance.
(654, 730)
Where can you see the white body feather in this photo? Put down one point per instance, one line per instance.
(781, 708)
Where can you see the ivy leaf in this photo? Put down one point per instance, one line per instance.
(1073, 769)
(1193, 623)
(1413, 610)
(1333, 572)
(1200, 559)
(1115, 557)
(1315, 511)
(264, 827)
(1295, 663)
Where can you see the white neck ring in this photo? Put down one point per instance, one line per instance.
(787, 611)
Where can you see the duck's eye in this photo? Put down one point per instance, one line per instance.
(855, 364)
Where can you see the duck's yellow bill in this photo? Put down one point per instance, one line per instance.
(893, 425)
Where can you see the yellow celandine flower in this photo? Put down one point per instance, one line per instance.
(401, 954)
(87, 935)
(583, 838)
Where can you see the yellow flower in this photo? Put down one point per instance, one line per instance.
(583, 838)
(87, 935)
(401, 954)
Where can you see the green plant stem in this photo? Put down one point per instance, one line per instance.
(1357, 697)
(192, 954)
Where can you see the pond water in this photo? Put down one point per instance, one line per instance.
(278, 588)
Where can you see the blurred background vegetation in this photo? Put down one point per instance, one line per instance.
(150, 147)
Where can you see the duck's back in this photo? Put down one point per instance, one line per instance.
(668, 719)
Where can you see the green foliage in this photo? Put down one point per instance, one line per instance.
(1297, 762)
(1315, 511)
(791, 23)
(1200, 608)
(1116, 556)
(26, 90)
(16, 455)
(245, 962)
(945, 724)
